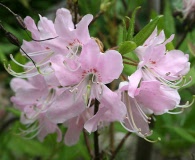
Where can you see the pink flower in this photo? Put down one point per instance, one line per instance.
(150, 98)
(33, 98)
(88, 83)
(63, 39)
(158, 64)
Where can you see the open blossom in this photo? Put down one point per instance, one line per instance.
(86, 84)
(33, 98)
(60, 37)
(156, 63)
(150, 98)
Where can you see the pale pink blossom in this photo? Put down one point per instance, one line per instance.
(156, 63)
(60, 37)
(150, 98)
(86, 84)
(33, 98)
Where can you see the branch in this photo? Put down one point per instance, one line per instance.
(95, 138)
(88, 144)
(120, 145)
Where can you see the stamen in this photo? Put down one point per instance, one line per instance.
(176, 84)
(71, 69)
(32, 54)
(178, 112)
(186, 105)
(152, 141)
(145, 117)
(26, 66)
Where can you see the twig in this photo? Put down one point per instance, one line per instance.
(130, 59)
(96, 16)
(88, 144)
(120, 145)
(124, 4)
(181, 40)
(75, 12)
(111, 131)
(96, 140)
(130, 63)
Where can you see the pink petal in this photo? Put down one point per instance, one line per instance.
(135, 121)
(156, 97)
(82, 28)
(31, 26)
(111, 109)
(134, 81)
(109, 66)
(65, 107)
(63, 23)
(46, 28)
(75, 127)
(65, 76)
(175, 63)
(47, 127)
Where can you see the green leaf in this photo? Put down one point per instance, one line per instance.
(127, 47)
(169, 25)
(141, 37)
(130, 31)
(128, 69)
(183, 133)
(124, 30)
(14, 111)
(30, 147)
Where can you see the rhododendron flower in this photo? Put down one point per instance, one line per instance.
(33, 98)
(87, 83)
(154, 40)
(50, 39)
(150, 98)
(158, 64)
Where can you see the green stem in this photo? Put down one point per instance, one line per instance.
(95, 138)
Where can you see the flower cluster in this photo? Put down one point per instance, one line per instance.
(153, 87)
(66, 84)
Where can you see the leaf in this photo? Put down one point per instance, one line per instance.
(169, 25)
(191, 48)
(30, 147)
(127, 47)
(128, 69)
(141, 37)
(130, 31)
(14, 111)
(183, 133)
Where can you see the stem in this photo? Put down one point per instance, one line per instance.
(144, 149)
(96, 16)
(120, 145)
(111, 130)
(95, 138)
(75, 11)
(125, 4)
(130, 63)
(181, 40)
(130, 59)
(88, 144)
